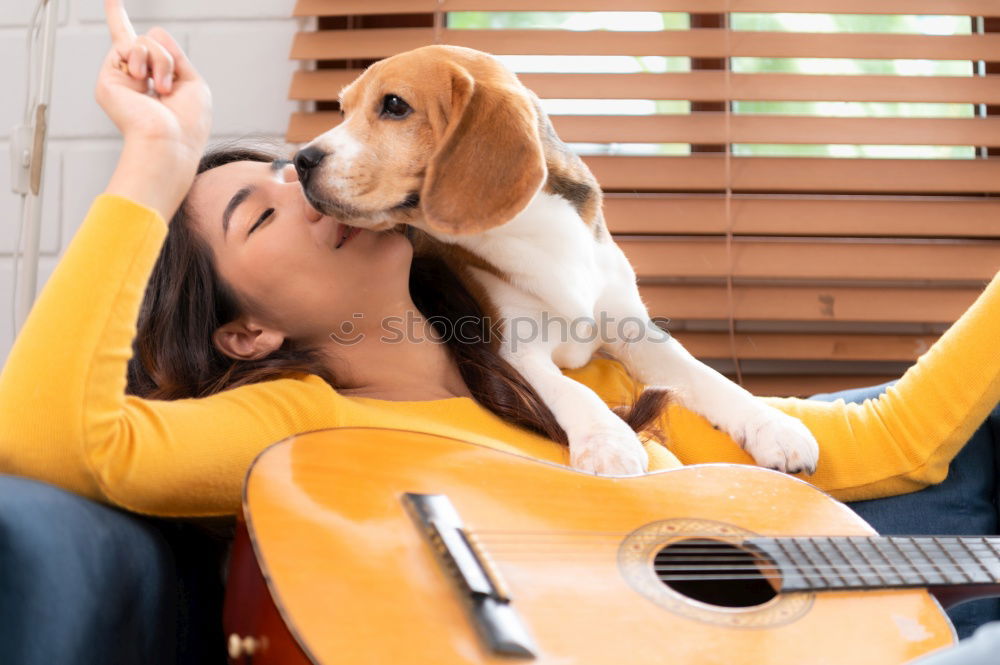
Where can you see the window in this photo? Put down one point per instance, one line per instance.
(807, 189)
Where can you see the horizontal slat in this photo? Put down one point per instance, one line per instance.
(349, 7)
(949, 7)
(755, 214)
(712, 128)
(320, 84)
(808, 303)
(806, 346)
(813, 215)
(850, 216)
(361, 7)
(304, 127)
(571, 6)
(946, 7)
(803, 385)
(749, 174)
(325, 84)
(716, 128)
(825, 87)
(684, 257)
(891, 46)
(797, 174)
(702, 43)
(347, 44)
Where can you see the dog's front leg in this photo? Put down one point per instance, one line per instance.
(599, 441)
(774, 439)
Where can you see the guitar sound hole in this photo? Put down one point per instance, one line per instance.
(716, 573)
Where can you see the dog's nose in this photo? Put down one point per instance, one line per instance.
(306, 159)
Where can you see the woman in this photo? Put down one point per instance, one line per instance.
(244, 336)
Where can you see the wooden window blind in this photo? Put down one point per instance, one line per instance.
(808, 189)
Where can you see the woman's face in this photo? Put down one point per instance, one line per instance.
(282, 257)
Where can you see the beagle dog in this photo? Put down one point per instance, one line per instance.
(447, 140)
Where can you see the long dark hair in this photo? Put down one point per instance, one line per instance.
(186, 301)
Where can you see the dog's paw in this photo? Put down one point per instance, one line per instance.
(778, 441)
(608, 451)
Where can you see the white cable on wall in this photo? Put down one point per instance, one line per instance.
(27, 155)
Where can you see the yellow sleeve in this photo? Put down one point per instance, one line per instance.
(64, 415)
(900, 442)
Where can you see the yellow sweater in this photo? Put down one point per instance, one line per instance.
(65, 418)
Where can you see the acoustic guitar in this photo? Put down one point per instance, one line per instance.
(367, 545)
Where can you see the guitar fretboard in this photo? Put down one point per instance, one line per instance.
(813, 564)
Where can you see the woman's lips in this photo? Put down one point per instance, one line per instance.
(345, 233)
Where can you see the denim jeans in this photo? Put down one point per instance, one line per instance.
(86, 584)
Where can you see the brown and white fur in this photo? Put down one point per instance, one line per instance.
(447, 140)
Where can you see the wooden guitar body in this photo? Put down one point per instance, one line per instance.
(357, 580)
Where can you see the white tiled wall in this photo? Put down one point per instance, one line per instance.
(241, 47)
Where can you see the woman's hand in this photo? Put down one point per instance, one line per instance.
(165, 132)
(181, 109)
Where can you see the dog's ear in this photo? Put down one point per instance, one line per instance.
(489, 162)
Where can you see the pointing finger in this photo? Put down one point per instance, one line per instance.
(122, 32)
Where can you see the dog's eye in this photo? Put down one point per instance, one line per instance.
(395, 106)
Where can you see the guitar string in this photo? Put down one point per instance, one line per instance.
(851, 567)
(826, 585)
(747, 561)
(691, 554)
(767, 566)
(908, 548)
(701, 549)
(966, 555)
(968, 568)
(883, 575)
(741, 559)
(927, 576)
(849, 570)
(989, 540)
(929, 573)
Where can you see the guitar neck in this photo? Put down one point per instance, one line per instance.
(895, 562)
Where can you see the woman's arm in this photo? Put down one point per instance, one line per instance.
(902, 441)
(63, 416)
(62, 353)
(77, 334)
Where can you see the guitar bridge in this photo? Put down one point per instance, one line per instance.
(478, 579)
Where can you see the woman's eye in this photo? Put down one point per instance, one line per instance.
(267, 213)
(394, 106)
